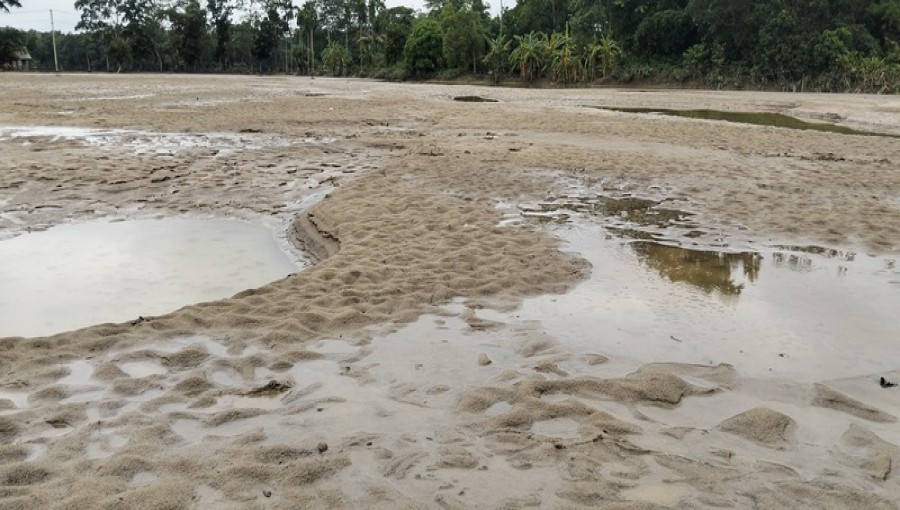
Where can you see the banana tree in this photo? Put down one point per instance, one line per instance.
(565, 63)
(497, 56)
(528, 56)
(609, 52)
(335, 57)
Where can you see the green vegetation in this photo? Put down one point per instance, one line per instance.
(6, 4)
(812, 45)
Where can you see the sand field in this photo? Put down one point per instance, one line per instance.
(474, 322)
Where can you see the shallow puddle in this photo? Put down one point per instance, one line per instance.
(78, 275)
(144, 478)
(563, 428)
(140, 369)
(18, 399)
(755, 118)
(624, 212)
(809, 315)
(474, 99)
(710, 271)
(244, 402)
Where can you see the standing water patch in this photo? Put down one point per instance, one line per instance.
(78, 275)
(801, 312)
(474, 99)
(755, 118)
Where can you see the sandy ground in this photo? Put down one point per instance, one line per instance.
(374, 378)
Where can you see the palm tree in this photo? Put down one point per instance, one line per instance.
(497, 56)
(368, 49)
(528, 56)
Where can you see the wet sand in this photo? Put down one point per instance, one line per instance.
(424, 359)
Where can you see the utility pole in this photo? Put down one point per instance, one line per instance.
(501, 18)
(53, 36)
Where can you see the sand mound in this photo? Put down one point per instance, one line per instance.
(831, 399)
(761, 425)
(648, 385)
(879, 458)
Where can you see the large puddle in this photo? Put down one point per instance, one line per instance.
(755, 118)
(804, 313)
(73, 276)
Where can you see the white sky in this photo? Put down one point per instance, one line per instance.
(35, 14)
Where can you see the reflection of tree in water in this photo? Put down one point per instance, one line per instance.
(707, 270)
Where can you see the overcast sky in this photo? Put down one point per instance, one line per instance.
(35, 14)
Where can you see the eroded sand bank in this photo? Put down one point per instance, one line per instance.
(399, 370)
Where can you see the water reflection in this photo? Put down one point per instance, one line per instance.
(741, 308)
(710, 271)
(792, 261)
(632, 210)
(830, 253)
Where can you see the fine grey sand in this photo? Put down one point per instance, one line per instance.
(397, 369)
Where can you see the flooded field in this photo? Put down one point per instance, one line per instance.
(407, 300)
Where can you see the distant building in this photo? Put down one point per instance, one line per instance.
(19, 61)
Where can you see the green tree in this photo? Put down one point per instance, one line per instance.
(6, 4)
(395, 24)
(269, 30)
(188, 32)
(220, 12)
(423, 51)
(463, 41)
(666, 33)
(114, 24)
(308, 20)
(589, 18)
(546, 16)
(883, 20)
(734, 24)
(119, 54)
(11, 41)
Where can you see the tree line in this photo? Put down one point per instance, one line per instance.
(824, 45)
